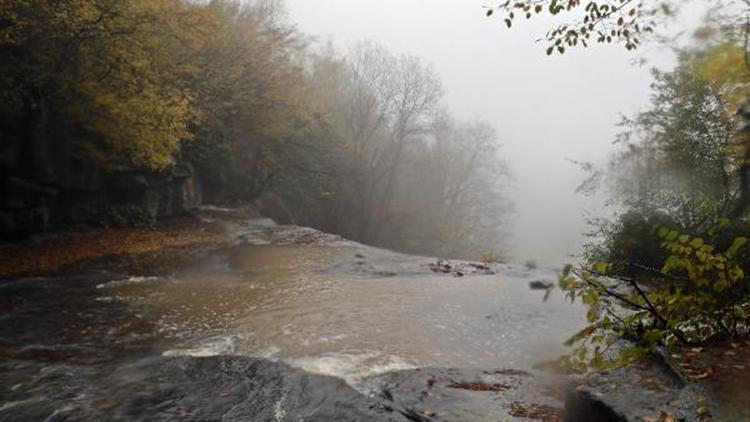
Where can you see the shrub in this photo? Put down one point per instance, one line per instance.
(697, 296)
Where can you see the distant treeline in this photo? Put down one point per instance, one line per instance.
(357, 144)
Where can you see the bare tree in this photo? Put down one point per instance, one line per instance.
(391, 100)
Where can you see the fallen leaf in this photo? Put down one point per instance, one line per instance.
(667, 417)
(703, 410)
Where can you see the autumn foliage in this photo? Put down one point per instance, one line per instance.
(99, 248)
(358, 144)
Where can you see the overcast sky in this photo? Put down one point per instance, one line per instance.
(546, 109)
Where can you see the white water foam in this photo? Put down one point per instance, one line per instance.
(278, 409)
(131, 280)
(352, 367)
(214, 347)
(225, 345)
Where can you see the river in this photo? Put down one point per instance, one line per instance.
(329, 307)
(303, 305)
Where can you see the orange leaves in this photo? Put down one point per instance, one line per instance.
(66, 249)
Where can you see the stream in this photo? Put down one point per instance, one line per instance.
(281, 303)
(328, 307)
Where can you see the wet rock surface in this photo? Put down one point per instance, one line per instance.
(427, 394)
(643, 391)
(186, 388)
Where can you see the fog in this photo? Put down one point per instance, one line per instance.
(361, 209)
(547, 110)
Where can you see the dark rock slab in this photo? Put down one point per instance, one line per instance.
(222, 388)
(432, 394)
(644, 391)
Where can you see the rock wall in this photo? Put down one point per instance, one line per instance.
(86, 195)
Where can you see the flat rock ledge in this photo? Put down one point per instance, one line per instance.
(441, 394)
(647, 391)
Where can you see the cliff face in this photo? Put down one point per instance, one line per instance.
(44, 185)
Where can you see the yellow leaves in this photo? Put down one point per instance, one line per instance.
(724, 64)
(137, 75)
(663, 417)
(251, 82)
(724, 67)
(703, 412)
(140, 108)
(121, 70)
(145, 127)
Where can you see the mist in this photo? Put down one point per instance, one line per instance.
(547, 110)
(393, 210)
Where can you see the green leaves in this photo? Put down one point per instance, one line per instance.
(598, 16)
(602, 267)
(736, 246)
(690, 300)
(575, 338)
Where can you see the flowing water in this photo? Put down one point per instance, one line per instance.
(95, 345)
(313, 301)
(301, 305)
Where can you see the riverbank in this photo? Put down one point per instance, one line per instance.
(134, 251)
